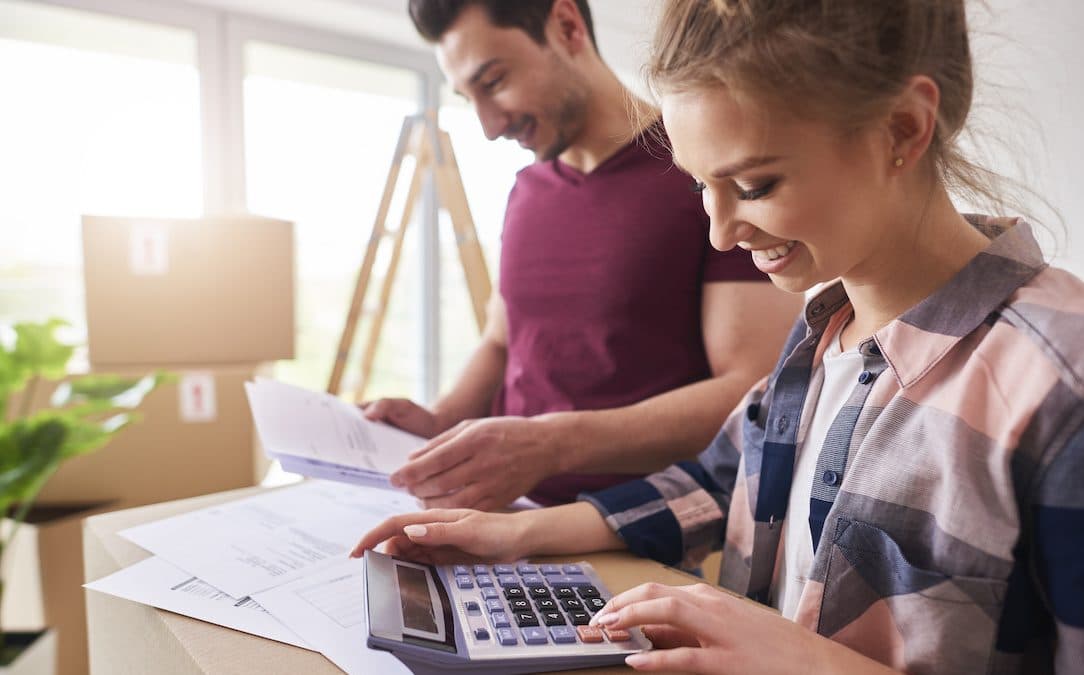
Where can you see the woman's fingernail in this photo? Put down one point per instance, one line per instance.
(607, 618)
(636, 660)
(413, 531)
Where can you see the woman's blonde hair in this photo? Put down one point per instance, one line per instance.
(840, 61)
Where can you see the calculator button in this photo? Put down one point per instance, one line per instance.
(506, 580)
(563, 634)
(533, 580)
(507, 637)
(580, 618)
(464, 581)
(564, 593)
(484, 581)
(490, 594)
(551, 569)
(500, 620)
(538, 592)
(616, 635)
(481, 634)
(460, 569)
(572, 605)
(588, 592)
(534, 636)
(573, 580)
(514, 593)
(589, 633)
(528, 569)
(519, 605)
(526, 619)
(494, 605)
(481, 569)
(546, 604)
(594, 604)
(472, 607)
(504, 569)
(572, 569)
(553, 619)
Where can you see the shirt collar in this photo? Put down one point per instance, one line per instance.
(916, 341)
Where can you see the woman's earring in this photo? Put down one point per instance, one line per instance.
(898, 162)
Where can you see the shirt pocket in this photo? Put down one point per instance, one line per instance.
(912, 618)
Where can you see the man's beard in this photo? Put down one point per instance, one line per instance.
(567, 118)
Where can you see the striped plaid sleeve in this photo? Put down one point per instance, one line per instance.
(1058, 514)
(678, 515)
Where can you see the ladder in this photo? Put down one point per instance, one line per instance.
(431, 148)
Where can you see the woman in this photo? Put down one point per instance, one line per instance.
(905, 488)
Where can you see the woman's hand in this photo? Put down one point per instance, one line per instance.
(440, 536)
(701, 629)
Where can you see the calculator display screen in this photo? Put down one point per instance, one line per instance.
(416, 601)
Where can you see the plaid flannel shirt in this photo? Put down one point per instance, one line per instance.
(947, 510)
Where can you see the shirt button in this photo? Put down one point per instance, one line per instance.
(865, 378)
(781, 424)
(830, 478)
(752, 412)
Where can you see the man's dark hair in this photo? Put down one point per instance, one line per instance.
(433, 18)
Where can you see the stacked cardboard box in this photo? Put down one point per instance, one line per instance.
(210, 301)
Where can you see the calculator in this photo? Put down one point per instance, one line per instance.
(512, 618)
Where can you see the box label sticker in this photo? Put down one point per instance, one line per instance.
(197, 397)
(149, 250)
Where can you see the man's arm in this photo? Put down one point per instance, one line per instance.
(745, 325)
(472, 394)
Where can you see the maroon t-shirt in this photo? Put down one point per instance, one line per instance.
(602, 276)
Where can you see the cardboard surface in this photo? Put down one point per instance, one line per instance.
(174, 451)
(211, 290)
(49, 545)
(129, 638)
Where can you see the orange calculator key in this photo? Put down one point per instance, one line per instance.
(617, 635)
(589, 633)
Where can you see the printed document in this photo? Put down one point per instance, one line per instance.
(327, 610)
(253, 544)
(159, 584)
(319, 435)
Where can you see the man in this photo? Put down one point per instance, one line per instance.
(619, 340)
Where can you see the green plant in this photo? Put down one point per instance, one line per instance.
(83, 414)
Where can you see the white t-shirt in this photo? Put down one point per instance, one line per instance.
(841, 371)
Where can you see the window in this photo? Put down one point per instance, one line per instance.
(101, 115)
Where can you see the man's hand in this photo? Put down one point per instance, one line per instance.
(404, 414)
(482, 464)
(449, 535)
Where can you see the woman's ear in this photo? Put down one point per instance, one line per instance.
(913, 121)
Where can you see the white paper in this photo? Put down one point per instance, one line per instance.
(327, 610)
(197, 397)
(324, 432)
(159, 584)
(260, 542)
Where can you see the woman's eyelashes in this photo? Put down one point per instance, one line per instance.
(743, 194)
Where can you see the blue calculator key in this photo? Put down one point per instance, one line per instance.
(563, 634)
(504, 569)
(528, 569)
(481, 634)
(506, 580)
(507, 637)
(551, 569)
(464, 581)
(494, 605)
(570, 580)
(460, 569)
(490, 594)
(481, 569)
(572, 569)
(472, 607)
(533, 635)
(484, 580)
(533, 580)
(500, 620)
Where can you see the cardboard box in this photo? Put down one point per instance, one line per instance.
(204, 291)
(43, 571)
(127, 638)
(195, 437)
